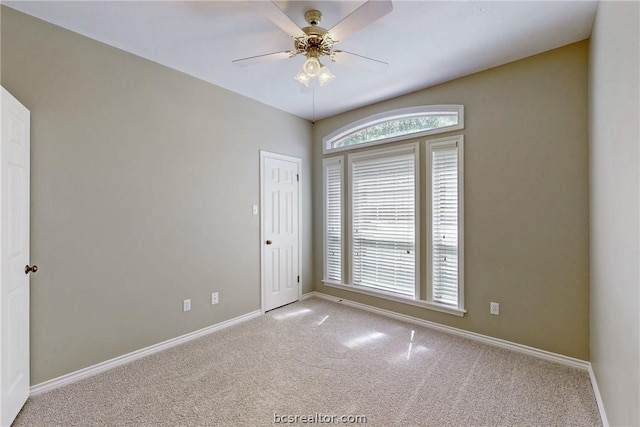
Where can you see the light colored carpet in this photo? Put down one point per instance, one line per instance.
(317, 356)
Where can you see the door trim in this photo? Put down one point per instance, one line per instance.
(264, 155)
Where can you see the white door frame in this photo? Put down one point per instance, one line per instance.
(264, 155)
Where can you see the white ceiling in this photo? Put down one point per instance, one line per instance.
(424, 42)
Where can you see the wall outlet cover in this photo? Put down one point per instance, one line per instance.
(494, 308)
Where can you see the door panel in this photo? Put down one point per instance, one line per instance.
(280, 230)
(14, 256)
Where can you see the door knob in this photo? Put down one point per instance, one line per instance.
(269, 242)
(30, 269)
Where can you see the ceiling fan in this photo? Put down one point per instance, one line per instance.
(314, 41)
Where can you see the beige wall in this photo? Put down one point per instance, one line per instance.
(526, 200)
(143, 180)
(615, 208)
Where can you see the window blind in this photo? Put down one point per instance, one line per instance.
(444, 214)
(333, 226)
(383, 222)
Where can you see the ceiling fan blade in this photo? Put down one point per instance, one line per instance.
(340, 58)
(252, 60)
(272, 11)
(370, 11)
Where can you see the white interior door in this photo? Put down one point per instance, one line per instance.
(14, 258)
(280, 230)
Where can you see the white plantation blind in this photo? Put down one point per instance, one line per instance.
(383, 221)
(444, 216)
(333, 218)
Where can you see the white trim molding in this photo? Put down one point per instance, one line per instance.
(135, 355)
(308, 295)
(596, 392)
(396, 298)
(520, 348)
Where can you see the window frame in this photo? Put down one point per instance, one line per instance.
(381, 153)
(458, 142)
(388, 116)
(326, 163)
(424, 290)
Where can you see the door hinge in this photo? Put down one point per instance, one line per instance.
(298, 279)
(298, 177)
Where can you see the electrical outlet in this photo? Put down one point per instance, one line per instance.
(186, 305)
(255, 210)
(494, 308)
(214, 298)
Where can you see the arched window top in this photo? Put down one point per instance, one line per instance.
(394, 125)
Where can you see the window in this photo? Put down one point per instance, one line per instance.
(383, 220)
(445, 158)
(393, 125)
(333, 219)
(373, 226)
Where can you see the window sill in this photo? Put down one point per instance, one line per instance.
(396, 298)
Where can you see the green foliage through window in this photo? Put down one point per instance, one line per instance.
(398, 123)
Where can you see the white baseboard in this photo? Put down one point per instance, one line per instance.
(308, 295)
(520, 348)
(596, 391)
(135, 355)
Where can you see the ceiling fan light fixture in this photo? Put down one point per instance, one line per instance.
(325, 75)
(303, 77)
(312, 69)
(312, 66)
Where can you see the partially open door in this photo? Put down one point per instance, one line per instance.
(14, 258)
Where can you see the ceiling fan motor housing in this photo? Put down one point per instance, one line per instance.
(313, 17)
(316, 41)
